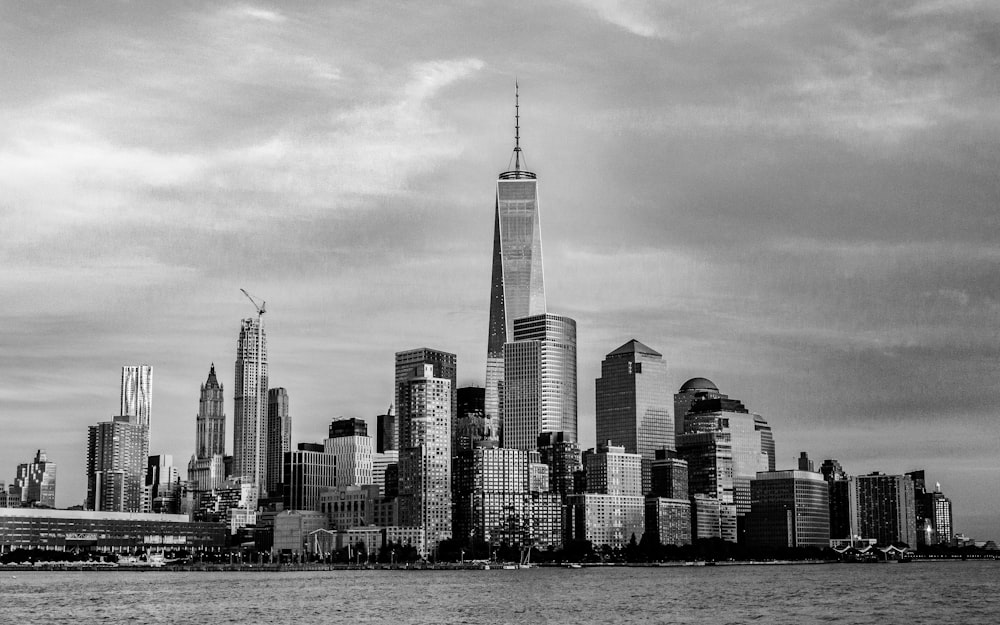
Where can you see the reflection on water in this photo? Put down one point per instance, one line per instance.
(883, 594)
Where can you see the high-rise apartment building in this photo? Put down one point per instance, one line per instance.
(425, 400)
(250, 406)
(633, 403)
(539, 380)
(669, 475)
(36, 481)
(137, 392)
(839, 497)
(206, 469)
(353, 451)
(117, 452)
(163, 487)
(789, 509)
(309, 470)
(883, 508)
(612, 471)
(517, 287)
(563, 457)
(279, 438)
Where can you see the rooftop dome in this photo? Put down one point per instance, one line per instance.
(699, 384)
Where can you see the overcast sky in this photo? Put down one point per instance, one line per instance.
(796, 200)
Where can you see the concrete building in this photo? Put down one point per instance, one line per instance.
(250, 406)
(354, 454)
(292, 528)
(382, 463)
(563, 457)
(117, 453)
(633, 403)
(669, 475)
(668, 520)
(425, 404)
(36, 481)
(712, 518)
(349, 506)
(539, 381)
(605, 519)
(612, 471)
(517, 286)
(882, 507)
(789, 509)
(308, 471)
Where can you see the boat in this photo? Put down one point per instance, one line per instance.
(574, 565)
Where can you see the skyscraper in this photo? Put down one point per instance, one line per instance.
(137, 392)
(206, 469)
(789, 509)
(633, 403)
(250, 406)
(517, 286)
(540, 380)
(425, 405)
(279, 438)
(882, 507)
(386, 432)
(37, 481)
(117, 453)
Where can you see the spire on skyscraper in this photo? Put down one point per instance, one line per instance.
(517, 172)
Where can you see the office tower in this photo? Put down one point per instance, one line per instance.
(206, 469)
(36, 481)
(933, 512)
(539, 380)
(386, 432)
(117, 452)
(250, 406)
(470, 421)
(604, 519)
(724, 445)
(137, 392)
(882, 508)
(838, 492)
(563, 457)
(669, 475)
(612, 471)
(517, 286)
(941, 510)
(766, 439)
(425, 401)
(491, 495)
(805, 464)
(789, 509)
(353, 452)
(382, 463)
(279, 439)
(163, 485)
(309, 469)
(633, 403)
(691, 391)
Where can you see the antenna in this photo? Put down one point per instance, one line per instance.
(517, 128)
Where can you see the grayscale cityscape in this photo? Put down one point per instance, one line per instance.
(763, 332)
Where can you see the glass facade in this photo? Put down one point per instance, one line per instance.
(633, 403)
(789, 509)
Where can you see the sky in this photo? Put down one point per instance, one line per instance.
(796, 200)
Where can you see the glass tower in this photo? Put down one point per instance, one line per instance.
(137, 392)
(517, 287)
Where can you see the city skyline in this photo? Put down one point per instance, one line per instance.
(795, 203)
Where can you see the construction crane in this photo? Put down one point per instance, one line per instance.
(260, 307)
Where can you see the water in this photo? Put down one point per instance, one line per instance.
(883, 594)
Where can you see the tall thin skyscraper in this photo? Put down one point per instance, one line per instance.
(279, 438)
(633, 403)
(540, 381)
(250, 406)
(425, 407)
(137, 392)
(210, 438)
(517, 287)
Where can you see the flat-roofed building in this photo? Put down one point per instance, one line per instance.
(668, 521)
(789, 509)
(605, 519)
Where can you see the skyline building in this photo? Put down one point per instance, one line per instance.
(789, 509)
(883, 507)
(163, 486)
(250, 406)
(840, 507)
(279, 439)
(309, 470)
(386, 432)
(206, 469)
(425, 401)
(353, 452)
(633, 403)
(117, 453)
(137, 392)
(36, 481)
(517, 287)
(539, 380)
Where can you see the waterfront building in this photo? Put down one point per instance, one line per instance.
(250, 406)
(633, 403)
(712, 518)
(669, 475)
(137, 392)
(117, 452)
(163, 485)
(292, 529)
(381, 461)
(36, 481)
(517, 284)
(882, 507)
(539, 380)
(349, 506)
(605, 519)
(789, 509)
(563, 457)
(668, 520)
(278, 440)
(425, 401)
(353, 452)
(838, 490)
(115, 532)
(309, 470)
(941, 508)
